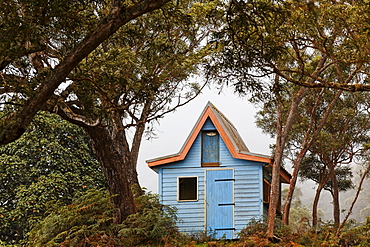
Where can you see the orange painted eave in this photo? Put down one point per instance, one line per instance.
(235, 154)
(208, 113)
(188, 144)
(179, 158)
(164, 161)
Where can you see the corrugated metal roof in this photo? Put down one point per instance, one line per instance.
(230, 129)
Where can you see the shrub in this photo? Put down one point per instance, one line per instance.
(88, 221)
(154, 223)
(356, 235)
(254, 234)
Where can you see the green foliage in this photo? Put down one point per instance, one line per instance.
(352, 235)
(254, 234)
(324, 237)
(154, 223)
(254, 228)
(147, 62)
(52, 27)
(298, 40)
(47, 166)
(88, 221)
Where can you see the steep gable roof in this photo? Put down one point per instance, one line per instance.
(229, 135)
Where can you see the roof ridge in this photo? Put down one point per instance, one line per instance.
(223, 116)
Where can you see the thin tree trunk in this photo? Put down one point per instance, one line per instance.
(136, 143)
(323, 179)
(315, 204)
(282, 135)
(293, 182)
(335, 195)
(354, 201)
(305, 147)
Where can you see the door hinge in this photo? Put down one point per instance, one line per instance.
(225, 179)
(225, 204)
(224, 229)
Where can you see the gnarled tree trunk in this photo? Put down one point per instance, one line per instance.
(116, 168)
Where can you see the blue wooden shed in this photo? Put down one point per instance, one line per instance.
(216, 184)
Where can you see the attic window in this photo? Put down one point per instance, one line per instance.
(210, 148)
(187, 188)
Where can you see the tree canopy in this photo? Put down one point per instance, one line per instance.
(268, 45)
(45, 168)
(133, 76)
(42, 42)
(298, 40)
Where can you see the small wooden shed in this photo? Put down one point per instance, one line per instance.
(216, 184)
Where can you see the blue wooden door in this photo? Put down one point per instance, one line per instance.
(220, 203)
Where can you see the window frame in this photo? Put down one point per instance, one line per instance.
(266, 190)
(210, 164)
(196, 189)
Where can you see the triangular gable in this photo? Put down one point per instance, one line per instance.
(229, 135)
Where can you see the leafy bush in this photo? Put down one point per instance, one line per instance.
(88, 221)
(356, 235)
(254, 234)
(154, 223)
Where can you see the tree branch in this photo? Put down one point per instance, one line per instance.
(14, 125)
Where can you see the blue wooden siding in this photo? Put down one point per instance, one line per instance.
(190, 213)
(247, 187)
(208, 125)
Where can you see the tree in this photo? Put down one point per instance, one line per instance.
(361, 208)
(318, 114)
(134, 78)
(307, 43)
(46, 167)
(299, 218)
(339, 179)
(311, 130)
(340, 144)
(44, 41)
(364, 175)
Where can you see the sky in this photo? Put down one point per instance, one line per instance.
(175, 127)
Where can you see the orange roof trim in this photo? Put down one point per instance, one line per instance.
(224, 127)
